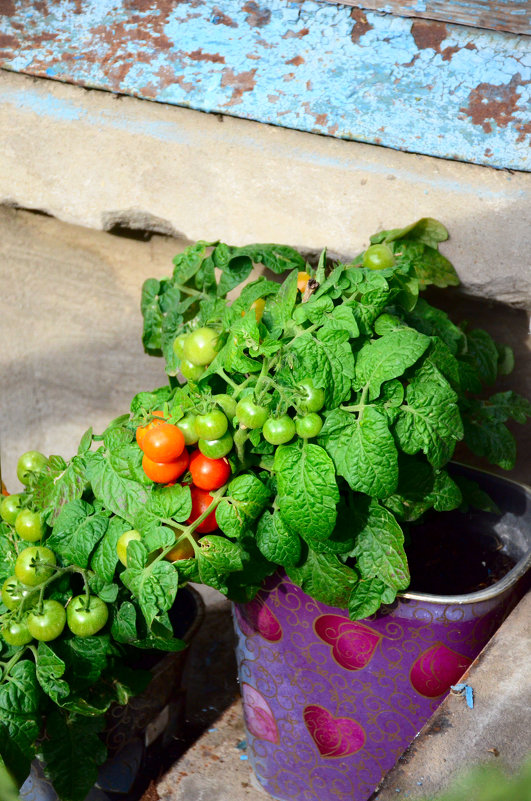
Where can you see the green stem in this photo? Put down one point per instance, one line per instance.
(189, 530)
(222, 374)
(12, 662)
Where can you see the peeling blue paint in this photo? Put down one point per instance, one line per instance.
(441, 90)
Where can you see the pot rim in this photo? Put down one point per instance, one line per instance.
(487, 594)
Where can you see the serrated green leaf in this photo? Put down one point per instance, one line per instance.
(58, 484)
(85, 657)
(49, 670)
(234, 272)
(105, 557)
(123, 627)
(279, 308)
(379, 547)
(122, 496)
(307, 490)
(170, 502)
(277, 258)
(367, 597)
(15, 765)
(427, 230)
(327, 357)
(276, 542)
(246, 498)
(19, 706)
(155, 586)
(187, 263)
(325, 578)
(76, 532)
(482, 355)
(490, 438)
(388, 357)
(363, 450)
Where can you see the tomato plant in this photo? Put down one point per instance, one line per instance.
(212, 425)
(10, 507)
(165, 472)
(200, 346)
(201, 500)
(209, 474)
(163, 443)
(46, 623)
(34, 565)
(29, 525)
(29, 465)
(86, 615)
(227, 403)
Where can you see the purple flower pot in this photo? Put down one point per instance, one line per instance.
(331, 704)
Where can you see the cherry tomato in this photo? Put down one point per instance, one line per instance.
(29, 525)
(200, 346)
(86, 616)
(216, 448)
(16, 633)
(13, 593)
(47, 624)
(212, 425)
(123, 542)
(227, 403)
(29, 464)
(187, 427)
(201, 500)
(164, 472)
(178, 345)
(278, 430)
(29, 567)
(302, 281)
(313, 399)
(163, 443)
(191, 371)
(378, 257)
(142, 430)
(183, 550)
(250, 414)
(10, 507)
(208, 474)
(308, 426)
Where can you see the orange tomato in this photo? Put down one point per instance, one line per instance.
(142, 430)
(4, 491)
(302, 281)
(183, 550)
(163, 443)
(165, 472)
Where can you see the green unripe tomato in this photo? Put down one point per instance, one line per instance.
(200, 346)
(28, 569)
(191, 371)
(313, 398)
(10, 507)
(187, 427)
(29, 464)
(47, 624)
(123, 542)
(279, 430)
(216, 448)
(227, 403)
(378, 257)
(16, 633)
(308, 426)
(14, 593)
(178, 345)
(250, 414)
(29, 525)
(86, 617)
(212, 425)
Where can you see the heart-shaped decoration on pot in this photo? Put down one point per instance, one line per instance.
(334, 737)
(436, 669)
(255, 618)
(259, 718)
(353, 644)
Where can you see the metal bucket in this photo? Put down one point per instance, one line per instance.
(331, 704)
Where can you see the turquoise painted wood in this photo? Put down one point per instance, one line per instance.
(411, 84)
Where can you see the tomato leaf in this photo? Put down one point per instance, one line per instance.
(19, 709)
(324, 577)
(59, 483)
(105, 558)
(125, 497)
(379, 546)
(155, 586)
(367, 597)
(49, 669)
(76, 532)
(307, 490)
(276, 542)
(327, 357)
(246, 498)
(388, 357)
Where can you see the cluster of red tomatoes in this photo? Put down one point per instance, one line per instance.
(166, 458)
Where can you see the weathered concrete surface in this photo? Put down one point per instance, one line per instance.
(90, 158)
(70, 331)
(456, 737)
(422, 86)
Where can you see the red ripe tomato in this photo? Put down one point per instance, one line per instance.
(163, 443)
(142, 430)
(165, 472)
(201, 500)
(208, 474)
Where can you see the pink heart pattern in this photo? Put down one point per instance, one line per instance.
(436, 669)
(258, 716)
(255, 618)
(334, 737)
(353, 644)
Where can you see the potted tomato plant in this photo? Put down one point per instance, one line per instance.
(303, 429)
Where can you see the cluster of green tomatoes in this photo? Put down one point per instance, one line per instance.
(32, 616)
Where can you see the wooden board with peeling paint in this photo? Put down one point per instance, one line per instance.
(417, 85)
(513, 16)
